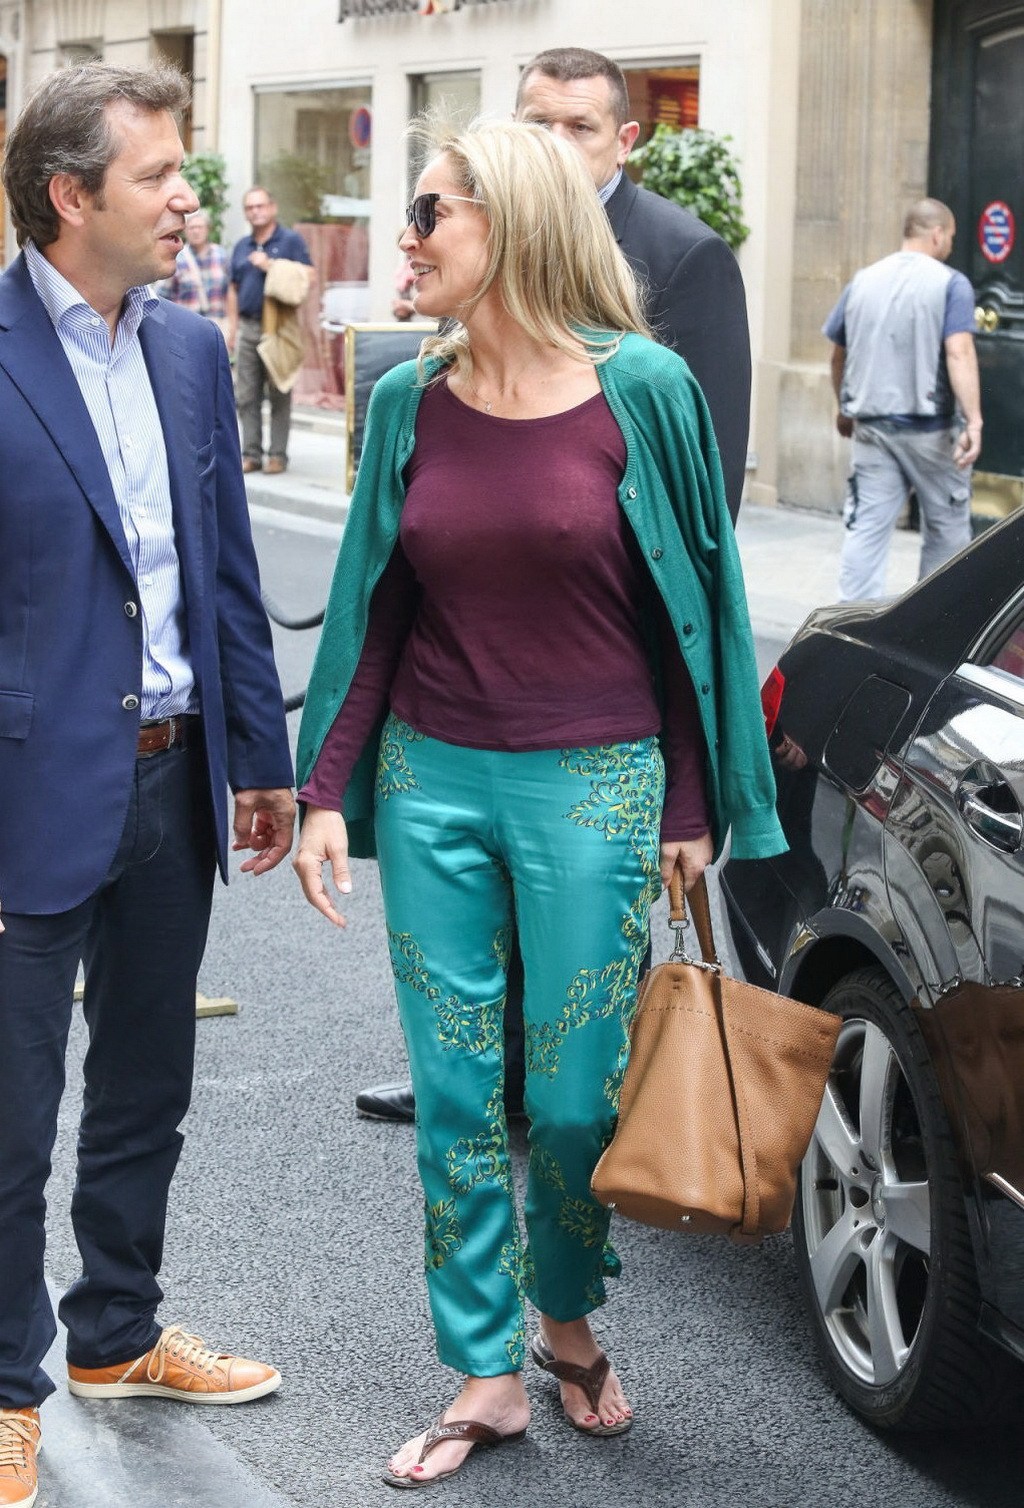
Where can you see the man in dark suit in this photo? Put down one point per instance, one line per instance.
(136, 682)
(694, 303)
(694, 293)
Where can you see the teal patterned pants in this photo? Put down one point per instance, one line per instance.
(566, 842)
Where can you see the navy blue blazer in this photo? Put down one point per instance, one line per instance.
(695, 304)
(70, 653)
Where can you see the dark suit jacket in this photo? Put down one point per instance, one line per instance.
(695, 304)
(69, 651)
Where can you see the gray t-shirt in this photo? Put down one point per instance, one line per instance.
(893, 318)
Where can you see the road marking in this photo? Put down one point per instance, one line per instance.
(216, 1005)
(220, 1005)
(297, 523)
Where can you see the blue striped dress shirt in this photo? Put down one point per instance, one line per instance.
(115, 385)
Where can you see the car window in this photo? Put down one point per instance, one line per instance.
(1009, 655)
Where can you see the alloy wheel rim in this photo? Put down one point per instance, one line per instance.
(867, 1208)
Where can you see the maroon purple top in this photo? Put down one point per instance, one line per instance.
(511, 613)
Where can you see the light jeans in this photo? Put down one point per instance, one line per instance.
(888, 460)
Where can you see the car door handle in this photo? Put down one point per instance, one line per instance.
(1004, 830)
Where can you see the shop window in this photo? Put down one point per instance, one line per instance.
(3, 134)
(312, 156)
(178, 49)
(70, 54)
(663, 96)
(454, 95)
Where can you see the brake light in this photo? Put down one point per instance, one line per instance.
(771, 699)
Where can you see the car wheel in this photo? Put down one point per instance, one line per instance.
(882, 1245)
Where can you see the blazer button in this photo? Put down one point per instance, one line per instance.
(705, 688)
(631, 494)
(687, 628)
(656, 554)
(131, 609)
(129, 702)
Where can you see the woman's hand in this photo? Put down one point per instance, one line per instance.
(323, 840)
(691, 858)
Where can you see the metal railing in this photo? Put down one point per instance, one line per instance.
(276, 615)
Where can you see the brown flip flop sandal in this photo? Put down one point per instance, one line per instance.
(591, 1379)
(451, 1429)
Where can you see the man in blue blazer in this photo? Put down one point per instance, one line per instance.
(137, 683)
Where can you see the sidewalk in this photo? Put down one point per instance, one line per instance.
(314, 484)
(790, 556)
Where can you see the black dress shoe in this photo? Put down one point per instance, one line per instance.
(387, 1102)
(396, 1102)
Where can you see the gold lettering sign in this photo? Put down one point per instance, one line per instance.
(357, 9)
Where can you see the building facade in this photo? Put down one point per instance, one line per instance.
(317, 111)
(37, 36)
(838, 115)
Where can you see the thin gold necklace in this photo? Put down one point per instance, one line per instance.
(488, 403)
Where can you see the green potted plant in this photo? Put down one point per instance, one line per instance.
(206, 172)
(297, 184)
(696, 169)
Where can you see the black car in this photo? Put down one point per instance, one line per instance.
(897, 730)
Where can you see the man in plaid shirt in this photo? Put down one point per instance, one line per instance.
(200, 280)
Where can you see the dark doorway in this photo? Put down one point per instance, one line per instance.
(977, 167)
(178, 49)
(3, 134)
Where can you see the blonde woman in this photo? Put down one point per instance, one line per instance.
(534, 696)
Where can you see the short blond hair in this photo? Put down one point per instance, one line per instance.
(551, 251)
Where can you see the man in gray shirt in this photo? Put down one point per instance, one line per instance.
(905, 374)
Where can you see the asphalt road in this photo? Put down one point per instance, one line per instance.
(294, 1234)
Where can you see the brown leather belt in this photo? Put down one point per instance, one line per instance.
(154, 738)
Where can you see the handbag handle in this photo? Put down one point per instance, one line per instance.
(700, 911)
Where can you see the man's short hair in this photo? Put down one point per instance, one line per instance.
(65, 128)
(924, 216)
(258, 188)
(566, 64)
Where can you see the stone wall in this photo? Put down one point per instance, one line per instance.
(122, 31)
(861, 159)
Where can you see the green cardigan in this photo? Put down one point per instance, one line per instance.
(671, 492)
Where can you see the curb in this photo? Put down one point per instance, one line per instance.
(300, 499)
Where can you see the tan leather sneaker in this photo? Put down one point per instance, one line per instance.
(19, 1446)
(179, 1366)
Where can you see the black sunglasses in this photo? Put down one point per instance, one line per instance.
(422, 212)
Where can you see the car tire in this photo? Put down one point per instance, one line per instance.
(883, 1249)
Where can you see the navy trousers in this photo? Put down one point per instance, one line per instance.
(141, 938)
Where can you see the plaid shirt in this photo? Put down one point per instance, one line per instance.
(184, 287)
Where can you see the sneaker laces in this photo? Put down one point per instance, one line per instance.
(175, 1344)
(17, 1435)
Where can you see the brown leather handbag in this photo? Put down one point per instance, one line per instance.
(723, 1086)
